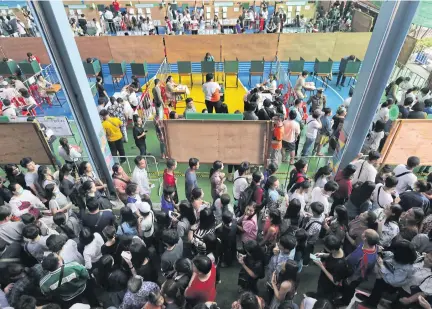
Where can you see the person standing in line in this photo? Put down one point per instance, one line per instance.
(404, 174)
(211, 91)
(140, 176)
(291, 133)
(191, 178)
(109, 17)
(157, 98)
(313, 124)
(301, 84)
(140, 136)
(112, 127)
(276, 143)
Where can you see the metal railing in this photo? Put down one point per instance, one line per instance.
(402, 70)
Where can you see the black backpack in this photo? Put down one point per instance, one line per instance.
(294, 176)
(388, 88)
(244, 199)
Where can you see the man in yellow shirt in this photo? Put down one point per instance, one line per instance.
(113, 133)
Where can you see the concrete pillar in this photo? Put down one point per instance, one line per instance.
(59, 41)
(391, 28)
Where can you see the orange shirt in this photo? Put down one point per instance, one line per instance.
(278, 133)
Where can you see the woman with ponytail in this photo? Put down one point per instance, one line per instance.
(172, 295)
(120, 181)
(69, 153)
(217, 178)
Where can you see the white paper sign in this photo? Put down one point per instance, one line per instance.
(298, 8)
(59, 125)
(224, 15)
(71, 12)
(208, 15)
(208, 9)
(224, 9)
(140, 11)
(236, 9)
(289, 8)
(307, 7)
(148, 11)
(131, 11)
(79, 12)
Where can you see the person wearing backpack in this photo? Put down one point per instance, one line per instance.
(240, 182)
(297, 175)
(404, 174)
(253, 193)
(313, 227)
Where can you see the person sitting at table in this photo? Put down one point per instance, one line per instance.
(270, 85)
(271, 26)
(172, 88)
(209, 57)
(43, 86)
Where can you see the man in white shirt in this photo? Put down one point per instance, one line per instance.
(405, 175)
(211, 93)
(322, 195)
(140, 176)
(365, 169)
(406, 84)
(423, 95)
(384, 111)
(109, 16)
(313, 124)
(382, 195)
(240, 182)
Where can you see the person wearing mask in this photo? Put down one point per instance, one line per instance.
(365, 169)
(291, 134)
(211, 91)
(313, 124)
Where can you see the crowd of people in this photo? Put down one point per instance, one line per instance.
(63, 246)
(12, 26)
(194, 21)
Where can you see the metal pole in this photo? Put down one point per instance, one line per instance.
(50, 16)
(394, 21)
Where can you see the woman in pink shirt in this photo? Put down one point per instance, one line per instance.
(120, 180)
(247, 224)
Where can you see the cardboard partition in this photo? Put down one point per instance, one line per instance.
(229, 141)
(408, 137)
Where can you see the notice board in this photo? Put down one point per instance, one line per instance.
(209, 140)
(21, 140)
(408, 137)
